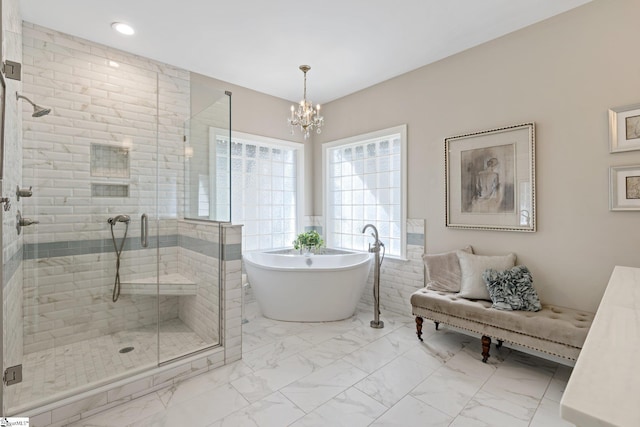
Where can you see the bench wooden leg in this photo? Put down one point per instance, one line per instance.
(419, 327)
(486, 345)
(437, 324)
(499, 344)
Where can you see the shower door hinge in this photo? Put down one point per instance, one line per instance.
(13, 375)
(12, 70)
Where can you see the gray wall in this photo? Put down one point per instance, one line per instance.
(563, 74)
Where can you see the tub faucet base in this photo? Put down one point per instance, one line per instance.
(377, 325)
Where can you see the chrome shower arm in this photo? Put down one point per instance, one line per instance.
(18, 96)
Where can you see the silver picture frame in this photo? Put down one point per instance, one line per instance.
(624, 188)
(490, 179)
(624, 128)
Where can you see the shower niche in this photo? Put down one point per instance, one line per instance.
(121, 153)
(109, 161)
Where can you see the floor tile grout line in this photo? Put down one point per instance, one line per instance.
(498, 397)
(399, 339)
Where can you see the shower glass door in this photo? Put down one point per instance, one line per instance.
(108, 279)
(91, 303)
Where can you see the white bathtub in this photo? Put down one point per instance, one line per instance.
(299, 288)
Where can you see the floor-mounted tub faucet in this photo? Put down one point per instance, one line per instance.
(376, 322)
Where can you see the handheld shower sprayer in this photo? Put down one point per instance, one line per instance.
(119, 218)
(38, 111)
(118, 249)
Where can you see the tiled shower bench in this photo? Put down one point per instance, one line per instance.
(554, 330)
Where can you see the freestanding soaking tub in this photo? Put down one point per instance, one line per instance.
(303, 288)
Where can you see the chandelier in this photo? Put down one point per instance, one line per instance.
(306, 116)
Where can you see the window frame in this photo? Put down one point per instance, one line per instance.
(359, 140)
(244, 138)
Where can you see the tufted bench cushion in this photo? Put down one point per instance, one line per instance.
(555, 330)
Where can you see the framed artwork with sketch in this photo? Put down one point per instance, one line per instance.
(490, 179)
(624, 188)
(624, 128)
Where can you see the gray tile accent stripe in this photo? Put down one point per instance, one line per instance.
(230, 252)
(85, 247)
(416, 239)
(11, 266)
(198, 245)
(317, 228)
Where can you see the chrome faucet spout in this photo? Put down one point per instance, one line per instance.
(375, 230)
(376, 243)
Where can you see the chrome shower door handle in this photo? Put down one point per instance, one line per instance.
(144, 230)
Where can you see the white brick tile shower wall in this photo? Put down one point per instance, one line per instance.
(65, 301)
(137, 105)
(69, 264)
(200, 312)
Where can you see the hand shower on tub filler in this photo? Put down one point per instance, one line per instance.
(376, 322)
(118, 249)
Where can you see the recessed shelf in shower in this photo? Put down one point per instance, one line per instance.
(109, 190)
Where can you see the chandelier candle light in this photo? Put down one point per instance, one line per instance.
(306, 116)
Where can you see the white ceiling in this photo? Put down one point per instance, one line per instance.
(259, 44)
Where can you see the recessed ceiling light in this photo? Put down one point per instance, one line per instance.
(123, 28)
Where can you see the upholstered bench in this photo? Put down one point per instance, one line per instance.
(554, 330)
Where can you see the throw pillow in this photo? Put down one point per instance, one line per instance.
(443, 270)
(472, 266)
(512, 289)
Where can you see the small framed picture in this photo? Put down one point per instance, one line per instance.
(624, 128)
(490, 179)
(624, 188)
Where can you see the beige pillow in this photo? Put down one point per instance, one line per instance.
(443, 270)
(471, 268)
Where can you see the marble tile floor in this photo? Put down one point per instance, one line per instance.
(347, 374)
(48, 374)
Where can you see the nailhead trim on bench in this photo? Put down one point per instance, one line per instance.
(497, 327)
(502, 339)
(564, 339)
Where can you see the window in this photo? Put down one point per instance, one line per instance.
(266, 189)
(366, 183)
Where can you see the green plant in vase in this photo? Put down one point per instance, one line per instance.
(309, 241)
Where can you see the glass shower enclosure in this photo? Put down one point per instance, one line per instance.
(110, 280)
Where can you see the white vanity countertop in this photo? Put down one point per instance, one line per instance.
(604, 388)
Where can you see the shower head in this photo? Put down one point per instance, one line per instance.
(38, 111)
